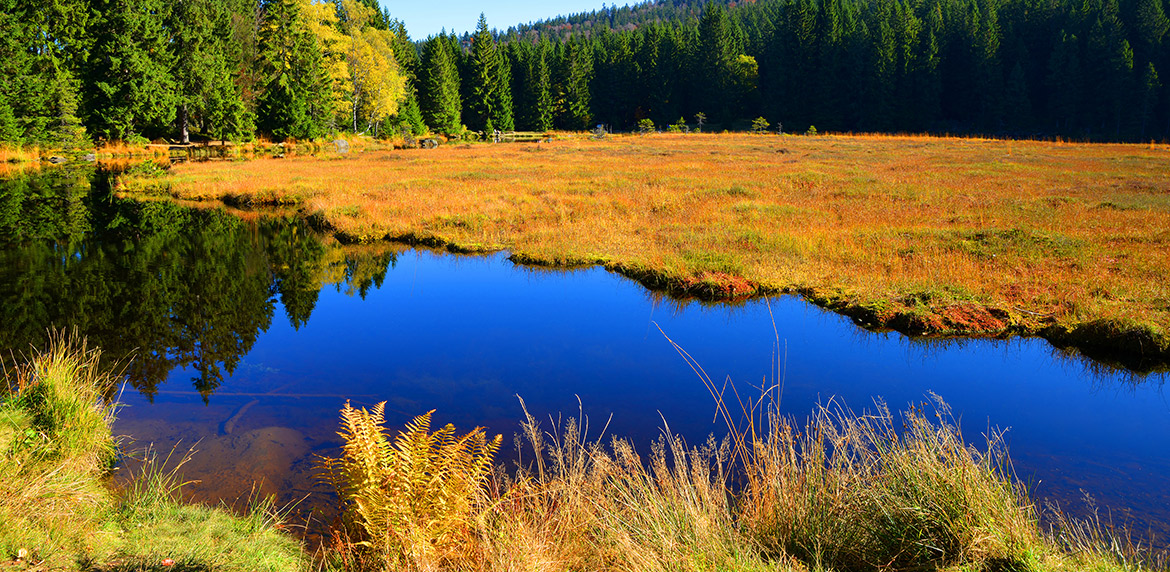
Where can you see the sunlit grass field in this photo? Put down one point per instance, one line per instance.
(929, 235)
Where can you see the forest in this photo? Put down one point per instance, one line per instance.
(76, 71)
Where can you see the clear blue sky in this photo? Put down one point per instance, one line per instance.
(427, 17)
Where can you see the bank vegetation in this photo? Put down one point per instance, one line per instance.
(926, 235)
(840, 490)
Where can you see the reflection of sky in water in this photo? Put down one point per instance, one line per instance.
(466, 335)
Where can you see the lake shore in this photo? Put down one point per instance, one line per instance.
(924, 235)
(840, 490)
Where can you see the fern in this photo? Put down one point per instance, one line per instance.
(413, 502)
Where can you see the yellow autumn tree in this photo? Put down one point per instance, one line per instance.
(366, 81)
(377, 84)
(321, 19)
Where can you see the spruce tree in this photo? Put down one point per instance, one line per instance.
(541, 86)
(204, 74)
(1149, 96)
(439, 100)
(716, 58)
(484, 67)
(503, 115)
(295, 101)
(130, 89)
(1064, 83)
(578, 112)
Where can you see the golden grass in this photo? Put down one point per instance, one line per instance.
(842, 491)
(926, 234)
(10, 153)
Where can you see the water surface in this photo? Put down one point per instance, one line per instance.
(246, 334)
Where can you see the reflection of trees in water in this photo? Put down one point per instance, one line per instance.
(1105, 370)
(157, 285)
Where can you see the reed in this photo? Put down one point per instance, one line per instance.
(838, 491)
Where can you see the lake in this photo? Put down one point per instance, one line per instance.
(243, 334)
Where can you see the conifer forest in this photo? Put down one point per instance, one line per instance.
(77, 71)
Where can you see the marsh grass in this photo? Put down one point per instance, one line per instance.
(154, 523)
(57, 511)
(54, 439)
(851, 222)
(838, 491)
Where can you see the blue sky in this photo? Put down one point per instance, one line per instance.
(427, 17)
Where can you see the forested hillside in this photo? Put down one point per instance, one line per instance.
(1074, 68)
(121, 69)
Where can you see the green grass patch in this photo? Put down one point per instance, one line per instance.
(56, 510)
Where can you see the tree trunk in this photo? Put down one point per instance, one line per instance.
(183, 121)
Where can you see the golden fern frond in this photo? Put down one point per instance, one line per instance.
(417, 499)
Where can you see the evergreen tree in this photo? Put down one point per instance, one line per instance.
(201, 30)
(502, 113)
(1064, 83)
(1149, 96)
(1017, 103)
(487, 88)
(296, 98)
(716, 57)
(130, 88)
(541, 85)
(439, 100)
(578, 66)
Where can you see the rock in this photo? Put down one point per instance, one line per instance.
(430, 143)
(342, 146)
(58, 160)
(89, 158)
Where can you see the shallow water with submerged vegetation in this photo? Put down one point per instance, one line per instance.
(247, 331)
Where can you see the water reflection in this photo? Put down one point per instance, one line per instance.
(247, 333)
(156, 285)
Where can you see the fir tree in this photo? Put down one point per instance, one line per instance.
(130, 89)
(1149, 96)
(295, 102)
(439, 100)
(578, 72)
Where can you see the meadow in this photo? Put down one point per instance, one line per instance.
(926, 235)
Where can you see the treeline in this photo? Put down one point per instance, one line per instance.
(116, 69)
(1074, 68)
(73, 70)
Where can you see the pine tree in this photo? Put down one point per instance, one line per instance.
(1149, 96)
(130, 89)
(486, 95)
(296, 98)
(439, 99)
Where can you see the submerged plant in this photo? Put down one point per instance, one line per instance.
(414, 502)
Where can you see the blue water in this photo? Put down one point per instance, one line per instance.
(467, 335)
(243, 337)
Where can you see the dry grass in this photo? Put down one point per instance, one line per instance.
(840, 491)
(10, 153)
(933, 235)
